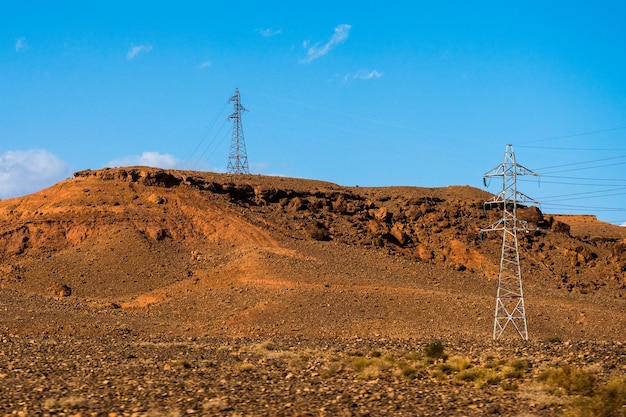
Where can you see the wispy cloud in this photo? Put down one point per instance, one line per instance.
(364, 75)
(204, 64)
(20, 44)
(623, 224)
(150, 159)
(136, 50)
(268, 33)
(316, 51)
(24, 172)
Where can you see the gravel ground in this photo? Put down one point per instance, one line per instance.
(288, 377)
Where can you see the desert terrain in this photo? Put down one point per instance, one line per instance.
(141, 291)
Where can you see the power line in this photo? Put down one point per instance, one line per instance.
(213, 141)
(596, 208)
(582, 162)
(592, 132)
(572, 149)
(572, 183)
(329, 110)
(585, 193)
(584, 189)
(583, 178)
(203, 136)
(585, 168)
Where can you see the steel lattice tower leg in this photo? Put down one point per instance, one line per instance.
(510, 309)
(237, 156)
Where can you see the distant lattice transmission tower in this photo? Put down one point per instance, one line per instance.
(237, 157)
(510, 310)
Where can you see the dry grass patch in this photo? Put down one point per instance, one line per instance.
(64, 403)
(608, 400)
(246, 367)
(568, 380)
(370, 368)
(582, 393)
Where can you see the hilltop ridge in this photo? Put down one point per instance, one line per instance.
(249, 254)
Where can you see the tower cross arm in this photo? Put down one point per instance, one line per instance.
(522, 170)
(502, 170)
(497, 226)
(523, 198)
(498, 171)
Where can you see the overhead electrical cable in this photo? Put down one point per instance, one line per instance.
(205, 134)
(584, 207)
(592, 132)
(585, 168)
(580, 184)
(582, 163)
(555, 148)
(212, 142)
(583, 178)
(582, 193)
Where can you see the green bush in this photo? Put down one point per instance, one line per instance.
(435, 350)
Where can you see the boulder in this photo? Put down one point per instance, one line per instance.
(530, 214)
(398, 234)
(60, 290)
(560, 227)
(316, 231)
(297, 204)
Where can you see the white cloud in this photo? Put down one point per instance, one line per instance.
(316, 51)
(623, 224)
(136, 50)
(150, 159)
(20, 44)
(24, 172)
(268, 33)
(204, 64)
(364, 75)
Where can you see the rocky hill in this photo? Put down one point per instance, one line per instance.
(255, 255)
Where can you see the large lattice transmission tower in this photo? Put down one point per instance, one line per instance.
(510, 309)
(237, 156)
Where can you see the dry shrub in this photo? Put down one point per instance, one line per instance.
(246, 367)
(330, 370)
(408, 370)
(413, 356)
(460, 363)
(568, 380)
(609, 400)
(369, 368)
(516, 368)
(64, 403)
(480, 377)
(495, 364)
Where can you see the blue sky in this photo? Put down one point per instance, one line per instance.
(367, 93)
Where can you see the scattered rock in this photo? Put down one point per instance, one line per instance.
(60, 290)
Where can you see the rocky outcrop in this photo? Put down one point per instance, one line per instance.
(183, 207)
